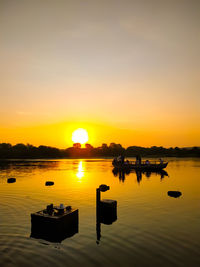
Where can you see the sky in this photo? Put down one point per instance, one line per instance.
(127, 71)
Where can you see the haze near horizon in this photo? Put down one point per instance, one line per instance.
(126, 71)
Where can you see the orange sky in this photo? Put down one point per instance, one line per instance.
(126, 71)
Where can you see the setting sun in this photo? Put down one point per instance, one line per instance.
(80, 136)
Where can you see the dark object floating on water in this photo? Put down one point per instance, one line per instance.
(48, 183)
(174, 194)
(11, 180)
(54, 224)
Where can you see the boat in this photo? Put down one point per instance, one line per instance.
(138, 165)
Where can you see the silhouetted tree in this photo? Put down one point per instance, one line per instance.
(29, 151)
(104, 146)
(76, 145)
(88, 146)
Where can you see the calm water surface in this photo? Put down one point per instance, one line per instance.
(151, 228)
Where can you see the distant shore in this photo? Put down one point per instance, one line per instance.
(21, 151)
(21, 160)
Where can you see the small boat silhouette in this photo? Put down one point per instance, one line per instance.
(48, 183)
(11, 180)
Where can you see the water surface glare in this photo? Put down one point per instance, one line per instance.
(151, 227)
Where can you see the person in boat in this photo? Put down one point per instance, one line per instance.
(115, 160)
(161, 161)
(126, 162)
(119, 159)
(138, 160)
(147, 162)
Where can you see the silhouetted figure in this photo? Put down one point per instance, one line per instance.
(147, 162)
(138, 159)
(122, 159)
(161, 161)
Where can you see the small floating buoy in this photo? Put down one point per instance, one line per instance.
(174, 194)
(11, 180)
(48, 183)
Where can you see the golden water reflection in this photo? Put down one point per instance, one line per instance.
(80, 173)
(150, 223)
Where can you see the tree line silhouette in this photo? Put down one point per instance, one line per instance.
(22, 151)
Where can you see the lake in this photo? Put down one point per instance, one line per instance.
(151, 227)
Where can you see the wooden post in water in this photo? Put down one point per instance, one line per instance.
(101, 188)
(98, 196)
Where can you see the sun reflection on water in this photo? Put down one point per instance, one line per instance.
(80, 172)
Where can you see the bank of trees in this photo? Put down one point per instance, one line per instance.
(22, 151)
